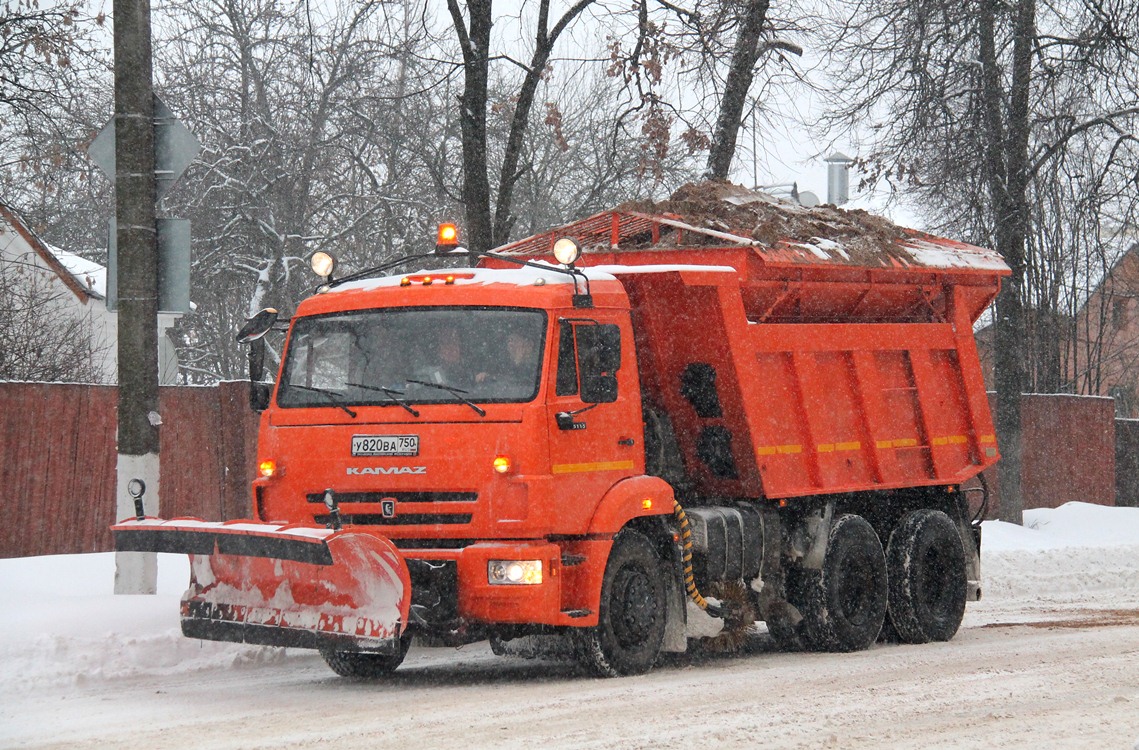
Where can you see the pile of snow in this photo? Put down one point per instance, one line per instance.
(1067, 554)
(60, 621)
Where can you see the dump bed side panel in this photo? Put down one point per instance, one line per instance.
(685, 346)
(861, 406)
(790, 409)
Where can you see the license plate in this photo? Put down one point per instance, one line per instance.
(385, 445)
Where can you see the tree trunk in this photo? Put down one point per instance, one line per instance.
(740, 76)
(543, 46)
(475, 196)
(1007, 172)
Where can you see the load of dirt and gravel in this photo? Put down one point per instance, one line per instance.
(754, 215)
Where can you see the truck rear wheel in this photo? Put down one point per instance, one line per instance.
(926, 563)
(364, 665)
(845, 602)
(631, 618)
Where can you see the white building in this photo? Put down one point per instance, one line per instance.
(74, 289)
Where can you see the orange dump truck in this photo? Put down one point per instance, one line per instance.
(676, 422)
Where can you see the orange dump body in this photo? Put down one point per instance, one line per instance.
(803, 368)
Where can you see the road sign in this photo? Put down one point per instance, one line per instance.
(173, 266)
(175, 148)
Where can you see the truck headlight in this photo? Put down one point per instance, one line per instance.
(513, 572)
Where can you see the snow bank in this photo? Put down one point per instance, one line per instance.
(60, 621)
(1070, 525)
(1067, 553)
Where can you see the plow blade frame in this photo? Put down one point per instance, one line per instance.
(283, 585)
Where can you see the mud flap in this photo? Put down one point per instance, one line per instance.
(676, 613)
(276, 585)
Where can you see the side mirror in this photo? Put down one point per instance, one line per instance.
(257, 326)
(259, 394)
(256, 356)
(253, 333)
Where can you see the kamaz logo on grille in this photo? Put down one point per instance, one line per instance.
(387, 507)
(360, 470)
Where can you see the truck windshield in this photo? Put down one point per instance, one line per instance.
(408, 356)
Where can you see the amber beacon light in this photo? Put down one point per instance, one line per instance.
(446, 238)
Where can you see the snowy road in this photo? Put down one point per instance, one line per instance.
(1049, 659)
(1071, 683)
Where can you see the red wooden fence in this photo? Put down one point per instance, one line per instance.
(57, 461)
(1069, 451)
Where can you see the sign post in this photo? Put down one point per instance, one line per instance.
(142, 132)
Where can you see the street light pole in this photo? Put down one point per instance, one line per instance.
(137, 241)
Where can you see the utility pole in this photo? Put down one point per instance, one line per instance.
(137, 240)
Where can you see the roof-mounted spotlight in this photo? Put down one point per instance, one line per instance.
(567, 251)
(322, 264)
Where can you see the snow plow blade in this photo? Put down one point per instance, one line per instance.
(283, 585)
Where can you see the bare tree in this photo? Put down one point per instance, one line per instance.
(54, 95)
(702, 69)
(338, 128)
(754, 36)
(575, 165)
(472, 29)
(44, 47)
(966, 100)
(294, 111)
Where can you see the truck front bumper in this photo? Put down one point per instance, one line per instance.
(479, 600)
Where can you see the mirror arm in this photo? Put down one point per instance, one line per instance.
(565, 418)
(256, 357)
(583, 409)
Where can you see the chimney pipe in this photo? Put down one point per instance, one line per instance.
(838, 178)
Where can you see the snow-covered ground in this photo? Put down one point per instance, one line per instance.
(1049, 658)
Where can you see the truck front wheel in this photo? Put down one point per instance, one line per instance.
(845, 602)
(364, 665)
(926, 563)
(631, 616)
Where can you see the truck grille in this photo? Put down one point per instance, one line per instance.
(400, 508)
(405, 519)
(347, 498)
(401, 543)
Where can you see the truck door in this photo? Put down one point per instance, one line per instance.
(594, 415)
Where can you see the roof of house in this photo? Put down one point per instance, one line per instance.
(85, 279)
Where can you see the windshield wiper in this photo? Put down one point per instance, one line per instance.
(393, 396)
(333, 397)
(456, 392)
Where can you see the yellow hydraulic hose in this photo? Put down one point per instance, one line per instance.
(686, 558)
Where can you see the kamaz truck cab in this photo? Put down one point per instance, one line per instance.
(478, 420)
